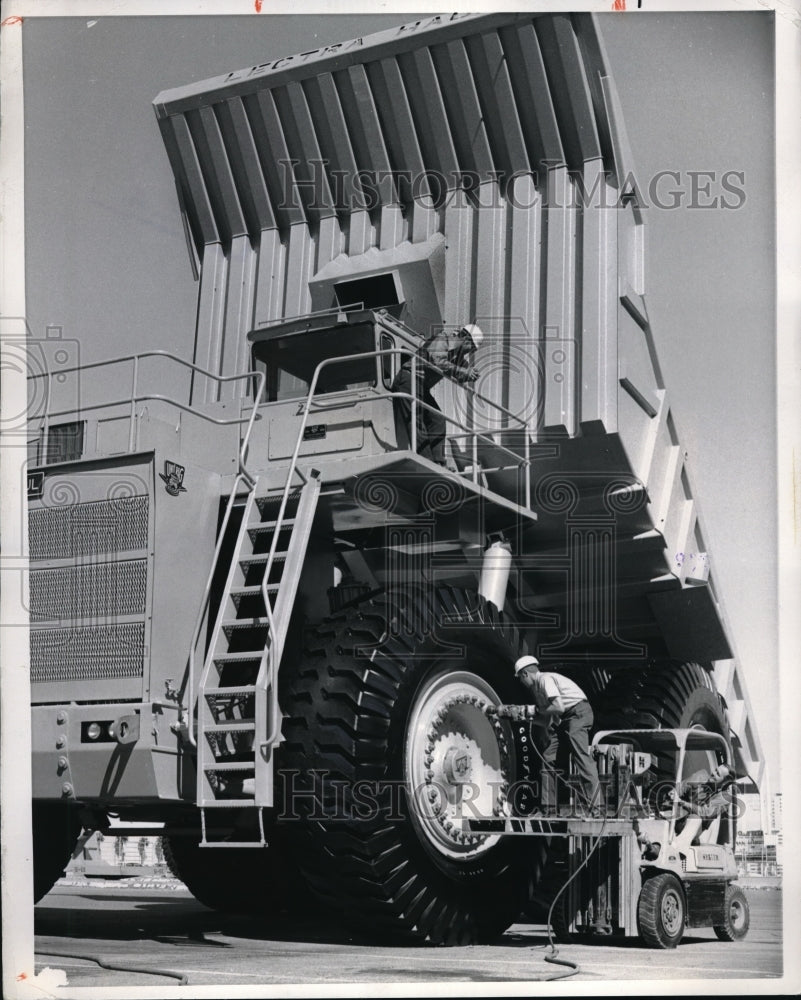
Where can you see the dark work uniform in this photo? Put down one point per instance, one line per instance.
(573, 727)
(447, 354)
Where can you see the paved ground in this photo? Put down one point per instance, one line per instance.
(159, 925)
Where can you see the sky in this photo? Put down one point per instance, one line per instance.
(106, 259)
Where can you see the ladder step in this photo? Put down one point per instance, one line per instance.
(232, 843)
(242, 765)
(232, 691)
(235, 623)
(253, 590)
(260, 526)
(231, 727)
(240, 657)
(226, 804)
(256, 560)
(277, 497)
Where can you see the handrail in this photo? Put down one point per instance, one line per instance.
(189, 682)
(135, 398)
(243, 475)
(485, 435)
(266, 676)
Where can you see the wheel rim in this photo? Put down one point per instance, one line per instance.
(672, 912)
(455, 754)
(737, 914)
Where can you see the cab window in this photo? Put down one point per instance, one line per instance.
(289, 362)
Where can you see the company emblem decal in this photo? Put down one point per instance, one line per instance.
(173, 477)
(35, 485)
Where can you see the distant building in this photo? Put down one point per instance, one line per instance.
(750, 816)
(758, 853)
(776, 813)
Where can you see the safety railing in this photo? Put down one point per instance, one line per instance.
(134, 397)
(474, 434)
(267, 678)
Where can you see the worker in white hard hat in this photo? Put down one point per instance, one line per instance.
(563, 713)
(445, 355)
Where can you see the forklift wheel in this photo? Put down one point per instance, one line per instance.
(661, 911)
(737, 916)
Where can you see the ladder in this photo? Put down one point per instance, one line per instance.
(238, 718)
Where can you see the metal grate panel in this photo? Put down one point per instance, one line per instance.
(88, 528)
(88, 653)
(92, 591)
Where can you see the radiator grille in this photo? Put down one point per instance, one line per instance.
(88, 653)
(97, 590)
(60, 532)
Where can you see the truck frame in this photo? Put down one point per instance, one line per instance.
(258, 614)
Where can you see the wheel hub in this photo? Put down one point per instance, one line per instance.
(671, 912)
(457, 762)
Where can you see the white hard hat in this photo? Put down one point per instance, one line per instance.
(526, 661)
(474, 333)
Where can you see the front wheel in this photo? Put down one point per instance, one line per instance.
(661, 911)
(56, 829)
(737, 916)
(387, 737)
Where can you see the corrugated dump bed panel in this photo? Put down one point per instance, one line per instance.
(87, 653)
(489, 132)
(64, 531)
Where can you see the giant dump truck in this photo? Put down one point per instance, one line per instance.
(260, 615)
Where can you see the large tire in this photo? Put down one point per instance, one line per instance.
(661, 911)
(737, 915)
(364, 718)
(220, 878)
(251, 880)
(56, 828)
(671, 696)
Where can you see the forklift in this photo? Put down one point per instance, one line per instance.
(638, 869)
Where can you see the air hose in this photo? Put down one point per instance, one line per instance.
(573, 967)
(183, 977)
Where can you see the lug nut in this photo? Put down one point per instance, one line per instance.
(432, 795)
(61, 717)
(62, 762)
(66, 788)
(61, 742)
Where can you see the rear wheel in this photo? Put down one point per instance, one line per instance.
(56, 829)
(669, 696)
(737, 916)
(386, 736)
(661, 911)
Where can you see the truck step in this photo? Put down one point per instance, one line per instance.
(232, 691)
(253, 590)
(239, 726)
(230, 803)
(240, 657)
(235, 623)
(241, 765)
(261, 559)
